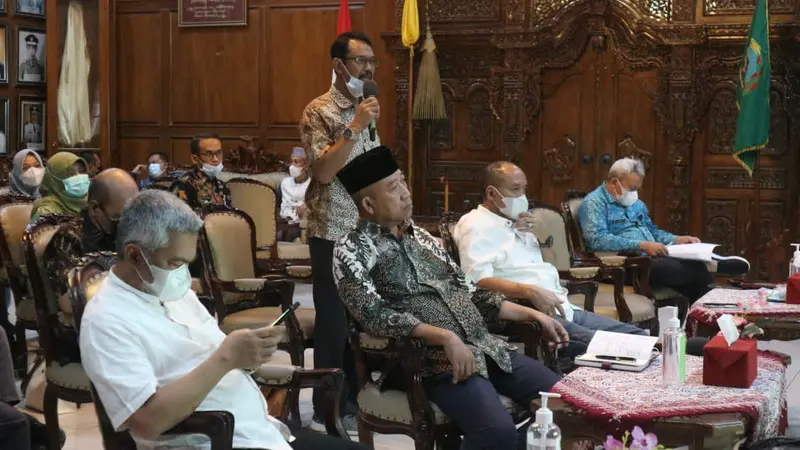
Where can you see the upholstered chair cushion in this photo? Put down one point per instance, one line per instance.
(231, 252)
(299, 271)
(641, 307)
(291, 250)
(547, 223)
(271, 179)
(70, 376)
(14, 217)
(253, 318)
(26, 310)
(258, 202)
(393, 405)
(275, 374)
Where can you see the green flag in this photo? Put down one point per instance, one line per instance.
(752, 98)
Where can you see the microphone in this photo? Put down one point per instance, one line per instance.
(371, 90)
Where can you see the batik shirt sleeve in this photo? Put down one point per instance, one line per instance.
(594, 224)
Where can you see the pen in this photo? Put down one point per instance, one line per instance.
(615, 358)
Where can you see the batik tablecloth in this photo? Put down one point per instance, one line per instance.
(641, 397)
(749, 303)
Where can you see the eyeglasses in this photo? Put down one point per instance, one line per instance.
(363, 60)
(209, 155)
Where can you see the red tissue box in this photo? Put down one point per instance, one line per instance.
(793, 289)
(734, 366)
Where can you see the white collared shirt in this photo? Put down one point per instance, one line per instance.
(293, 194)
(131, 345)
(489, 246)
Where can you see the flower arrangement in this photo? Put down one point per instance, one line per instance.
(636, 440)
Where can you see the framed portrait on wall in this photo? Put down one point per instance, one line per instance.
(30, 55)
(31, 122)
(4, 102)
(3, 54)
(31, 8)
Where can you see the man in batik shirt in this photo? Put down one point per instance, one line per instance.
(201, 186)
(94, 231)
(398, 281)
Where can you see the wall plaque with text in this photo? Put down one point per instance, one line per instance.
(209, 13)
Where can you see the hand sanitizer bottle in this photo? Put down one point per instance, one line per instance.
(544, 434)
(794, 264)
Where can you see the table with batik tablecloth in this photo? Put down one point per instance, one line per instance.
(599, 402)
(779, 320)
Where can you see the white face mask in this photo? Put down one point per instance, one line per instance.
(167, 285)
(33, 176)
(627, 198)
(354, 85)
(514, 206)
(295, 171)
(154, 170)
(212, 170)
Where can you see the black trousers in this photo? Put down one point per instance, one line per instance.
(15, 433)
(331, 348)
(691, 278)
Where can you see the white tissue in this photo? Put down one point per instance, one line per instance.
(728, 328)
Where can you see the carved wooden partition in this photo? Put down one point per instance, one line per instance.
(565, 87)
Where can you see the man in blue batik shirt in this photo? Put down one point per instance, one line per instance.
(613, 219)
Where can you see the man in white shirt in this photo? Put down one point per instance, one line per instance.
(154, 353)
(293, 187)
(499, 252)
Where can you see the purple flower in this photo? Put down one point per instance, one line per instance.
(641, 441)
(612, 444)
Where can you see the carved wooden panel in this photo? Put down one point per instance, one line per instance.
(738, 7)
(719, 225)
(627, 148)
(772, 222)
(480, 122)
(442, 130)
(560, 158)
(737, 178)
(722, 118)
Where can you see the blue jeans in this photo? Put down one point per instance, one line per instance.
(585, 323)
(474, 406)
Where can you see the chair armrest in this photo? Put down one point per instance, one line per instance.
(588, 289)
(261, 289)
(217, 425)
(293, 378)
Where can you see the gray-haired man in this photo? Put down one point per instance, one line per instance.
(614, 219)
(154, 353)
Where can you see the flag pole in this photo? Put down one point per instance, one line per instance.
(410, 110)
(756, 238)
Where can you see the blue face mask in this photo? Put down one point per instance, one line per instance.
(154, 170)
(76, 186)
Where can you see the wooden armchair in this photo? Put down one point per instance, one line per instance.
(637, 266)
(66, 382)
(611, 300)
(14, 217)
(580, 282)
(407, 410)
(217, 425)
(261, 203)
(18, 352)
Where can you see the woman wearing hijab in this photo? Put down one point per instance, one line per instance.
(26, 174)
(63, 188)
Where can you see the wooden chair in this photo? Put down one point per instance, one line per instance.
(637, 266)
(217, 425)
(611, 300)
(581, 283)
(14, 217)
(408, 411)
(261, 202)
(67, 382)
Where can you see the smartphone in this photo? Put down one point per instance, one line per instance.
(284, 314)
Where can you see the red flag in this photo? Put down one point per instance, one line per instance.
(343, 24)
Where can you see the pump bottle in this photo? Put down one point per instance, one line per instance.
(794, 264)
(544, 434)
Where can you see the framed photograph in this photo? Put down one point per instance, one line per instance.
(4, 102)
(31, 122)
(31, 8)
(3, 54)
(30, 55)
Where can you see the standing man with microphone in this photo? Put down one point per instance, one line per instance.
(336, 127)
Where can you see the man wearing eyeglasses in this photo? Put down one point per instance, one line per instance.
(499, 252)
(201, 186)
(335, 129)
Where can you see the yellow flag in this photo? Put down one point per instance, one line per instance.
(410, 26)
